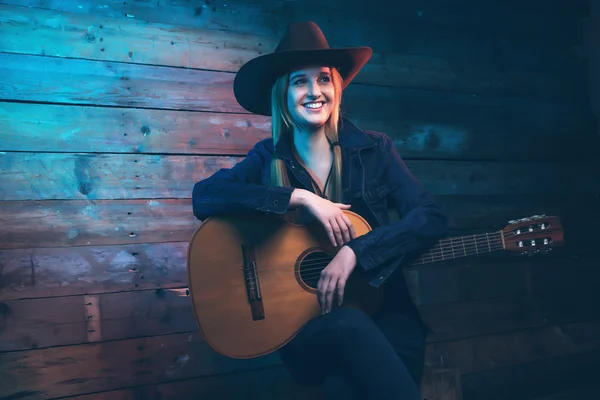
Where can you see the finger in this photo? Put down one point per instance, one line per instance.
(343, 228)
(341, 285)
(329, 294)
(337, 232)
(321, 289)
(330, 234)
(342, 206)
(351, 231)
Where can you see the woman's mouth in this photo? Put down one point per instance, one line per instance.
(314, 106)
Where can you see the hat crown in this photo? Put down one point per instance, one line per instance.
(302, 36)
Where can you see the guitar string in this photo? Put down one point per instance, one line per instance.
(436, 255)
(311, 278)
(439, 251)
(320, 265)
(322, 262)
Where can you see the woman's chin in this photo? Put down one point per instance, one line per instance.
(315, 121)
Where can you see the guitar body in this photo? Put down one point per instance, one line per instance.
(253, 281)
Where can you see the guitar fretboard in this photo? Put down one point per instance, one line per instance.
(462, 246)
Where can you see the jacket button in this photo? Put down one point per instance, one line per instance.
(275, 202)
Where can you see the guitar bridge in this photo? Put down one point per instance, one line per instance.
(252, 284)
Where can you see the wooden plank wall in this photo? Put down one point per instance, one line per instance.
(111, 110)
(591, 53)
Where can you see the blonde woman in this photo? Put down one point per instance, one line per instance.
(321, 163)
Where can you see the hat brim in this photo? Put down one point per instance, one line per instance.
(253, 82)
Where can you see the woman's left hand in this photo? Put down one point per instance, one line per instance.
(333, 278)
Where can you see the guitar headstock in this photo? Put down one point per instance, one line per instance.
(533, 234)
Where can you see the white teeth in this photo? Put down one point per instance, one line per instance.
(313, 105)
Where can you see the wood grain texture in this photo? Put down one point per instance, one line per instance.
(56, 128)
(272, 17)
(62, 321)
(451, 321)
(50, 272)
(535, 380)
(77, 81)
(104, 222)
(591, 43)
(113, 222)
(269, 382)
(71, 176)
(35, 176)
(193, 38)
(513, 348)
(74, 370)
(83, 82)
(61, 34)
(584, 392)
(260, 383)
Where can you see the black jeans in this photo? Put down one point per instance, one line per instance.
(354, 356)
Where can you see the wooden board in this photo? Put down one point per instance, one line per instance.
(104, 366)
(70, 176)
(585, 392)
(432, 113)
(469, 15)
(56, 128)
(60, 321)
(270, 382)
(104, 222)
(396, 63)
(488, 352)
(76, 81)
(254, 16)
(261, 383)
(535, 380)
(49, 272)
(63, 371)
(108, 222)
(35, 176)
(451, 321)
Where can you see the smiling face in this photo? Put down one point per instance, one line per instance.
(310, 97)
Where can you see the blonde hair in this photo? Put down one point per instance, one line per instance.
(282, 128)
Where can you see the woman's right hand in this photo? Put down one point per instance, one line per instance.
(337, 225)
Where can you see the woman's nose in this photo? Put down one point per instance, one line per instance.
(313, 89)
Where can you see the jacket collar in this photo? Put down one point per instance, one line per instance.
(350, 136)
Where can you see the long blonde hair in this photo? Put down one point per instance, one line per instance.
(282, 128)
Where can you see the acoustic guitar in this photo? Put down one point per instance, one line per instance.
(253, 278)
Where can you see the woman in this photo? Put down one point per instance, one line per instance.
(322, 164)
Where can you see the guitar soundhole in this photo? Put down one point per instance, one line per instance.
(311, 267)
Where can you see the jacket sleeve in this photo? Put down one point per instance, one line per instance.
(240, 189)
(421, 224)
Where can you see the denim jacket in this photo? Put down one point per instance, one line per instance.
(374, 177)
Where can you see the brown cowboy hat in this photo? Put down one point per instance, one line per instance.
(302, 45)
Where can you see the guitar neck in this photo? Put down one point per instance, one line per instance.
(462, 246)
